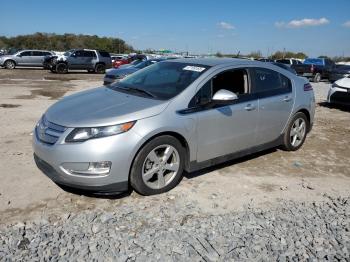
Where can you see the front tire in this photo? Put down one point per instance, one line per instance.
(158, 166)
(9, 64)
(317, 78)
(295, 135)
(100, 68)
(61, 68)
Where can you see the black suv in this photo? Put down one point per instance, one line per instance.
(79, 59)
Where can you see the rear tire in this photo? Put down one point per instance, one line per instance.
(100, 68)
(61, 68)
(10, 64)
(317, 78)
(296, 132)
(158, 166)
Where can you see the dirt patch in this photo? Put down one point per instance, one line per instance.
(60, 78)
(51, 93)
(9, 105)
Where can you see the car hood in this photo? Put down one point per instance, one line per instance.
(102, 106)
(121, 71)
(126, 66)
(344, 82)
(6, 56)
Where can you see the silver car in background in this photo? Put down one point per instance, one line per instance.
(116, 74)
(29, 58)
(175, 115)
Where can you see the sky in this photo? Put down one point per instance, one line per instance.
(316, 27)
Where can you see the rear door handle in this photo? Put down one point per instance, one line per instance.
(287, 99)
(249, 107)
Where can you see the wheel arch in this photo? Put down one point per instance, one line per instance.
(177, 135)
(10, 59)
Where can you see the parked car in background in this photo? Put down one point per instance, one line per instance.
(285, 66)
(339, 72)
(29, 58)
(129, 60)
(315, 69)
(116, 74)
(289, 61)
(176, 115)
(118, 62)
(79, 59)
(339, 92)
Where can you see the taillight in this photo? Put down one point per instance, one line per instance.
(308, 87)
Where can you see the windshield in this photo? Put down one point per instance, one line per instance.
(163, 80)
(313, 61)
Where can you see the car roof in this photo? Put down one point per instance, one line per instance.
(216, 61)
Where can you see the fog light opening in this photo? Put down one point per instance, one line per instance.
(95, 168)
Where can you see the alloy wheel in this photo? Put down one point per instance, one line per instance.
(297, 132)
(10, 65)
(160, 166)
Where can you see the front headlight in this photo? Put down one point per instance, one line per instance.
(86, 133)
(334, 85)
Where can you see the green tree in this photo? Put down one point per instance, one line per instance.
(64, 42)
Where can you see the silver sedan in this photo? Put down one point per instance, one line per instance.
(174, 116)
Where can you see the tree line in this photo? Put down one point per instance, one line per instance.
(56, 42)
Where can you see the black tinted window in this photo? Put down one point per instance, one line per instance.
(283, 61)
(266, 80)
(89, 54)
(47, 53)
(26, 53)
(204, 94)
(79, 53)
(104, 54)
(38, 53)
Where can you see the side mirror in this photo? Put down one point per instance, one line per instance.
(73, 55)
(224, 96)
(19, 55)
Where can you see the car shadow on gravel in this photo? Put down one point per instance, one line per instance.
(229, 163)
(344, 108)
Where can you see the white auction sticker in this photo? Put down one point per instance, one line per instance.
(194, 68)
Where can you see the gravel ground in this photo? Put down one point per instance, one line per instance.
(291, 232)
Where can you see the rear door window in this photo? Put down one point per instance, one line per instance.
(89, 54)
(26, 53)
(269, 82)
(38, 53)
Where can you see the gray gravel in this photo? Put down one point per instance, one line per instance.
(180, 232)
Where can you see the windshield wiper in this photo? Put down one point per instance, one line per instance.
(138, 90)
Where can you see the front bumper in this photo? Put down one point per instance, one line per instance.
(48, 170)
(338, 95)
(119, 150)
(108, 80)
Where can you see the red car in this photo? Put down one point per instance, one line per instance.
(128, 60)
(120, 62)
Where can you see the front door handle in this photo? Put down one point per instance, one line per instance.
(287, 99)
(249, 107)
